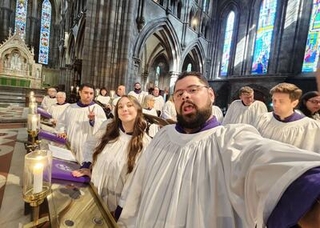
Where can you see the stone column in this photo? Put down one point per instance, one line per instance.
(173, 78)
(5, 15)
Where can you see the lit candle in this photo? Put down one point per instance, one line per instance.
(31, 108)
(34, 123)
(112, 93)
(71, 87)
(37, 178)
(97, 92)
(77, 88)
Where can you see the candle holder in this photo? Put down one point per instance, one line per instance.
(37, 182)
(33, 127)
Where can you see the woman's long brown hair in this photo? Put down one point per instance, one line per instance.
(113, 132)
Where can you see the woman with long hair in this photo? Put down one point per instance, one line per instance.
(118, 151)
(310, 105)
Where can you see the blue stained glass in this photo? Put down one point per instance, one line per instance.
(21, 17)
(227, 45)
(262, 47)
(45, 32)
(311, 54)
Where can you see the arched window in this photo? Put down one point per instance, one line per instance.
(21, 17)
(311, 54)
(205, 5)
(227, 45)
(264, 36)
(45, 32)
(189, 67)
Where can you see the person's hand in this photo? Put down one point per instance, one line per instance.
(62, 135)
(91, 114)
(312, 218)
(81, 172)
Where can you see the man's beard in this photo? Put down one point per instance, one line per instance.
(195, 120)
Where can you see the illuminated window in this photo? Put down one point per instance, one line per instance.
(264, 34)
(227, 45)
(189, 67)
(311, 54)
(45, 32)
(21, 17)
(204, 5)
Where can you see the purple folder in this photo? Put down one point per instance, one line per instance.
(44, 113)
(62, 169)
(51, 137)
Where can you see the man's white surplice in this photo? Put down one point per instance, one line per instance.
(75, 122)
(239, 113)
(303, 133)
(224, 177)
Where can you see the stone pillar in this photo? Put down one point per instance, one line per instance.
(173, 78)
(6, 23)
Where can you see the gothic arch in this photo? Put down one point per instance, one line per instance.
(158, 38)
(196, 52)
(163, 27)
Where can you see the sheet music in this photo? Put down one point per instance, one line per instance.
(62, 153)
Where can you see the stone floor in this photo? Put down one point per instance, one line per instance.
(12, 135)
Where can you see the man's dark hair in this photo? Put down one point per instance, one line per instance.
(192, 73)
(86, 85)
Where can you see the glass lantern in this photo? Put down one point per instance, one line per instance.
(37, 176)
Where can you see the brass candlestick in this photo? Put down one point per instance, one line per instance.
(37, 182)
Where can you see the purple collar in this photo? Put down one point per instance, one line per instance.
(211, 123)
(80, 104)
(293, 117)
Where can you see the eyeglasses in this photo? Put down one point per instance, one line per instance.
(314, 101)
(193, 89)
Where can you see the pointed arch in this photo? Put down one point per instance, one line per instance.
(226, 45)
(193, 54)
(169, 37)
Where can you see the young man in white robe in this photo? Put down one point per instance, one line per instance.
(81, 120)
(244, 110)
(201, 174)
(286, 125)
(49, 99)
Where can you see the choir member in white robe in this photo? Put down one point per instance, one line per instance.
(310, 105)
(138, 92)
(169, 111)
(159, 101)
(81, 120)
(216, 111)
(49, 99)
(148, 108)
(286, 125)
(117, 151)
(245, 110)
(201, 174)
(103, 97)
(57, 109)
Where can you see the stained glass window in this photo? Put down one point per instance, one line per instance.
(204, 5)
(227, 45)
(45, 32)
(264, 36)
(311, 54)
(21, 17)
